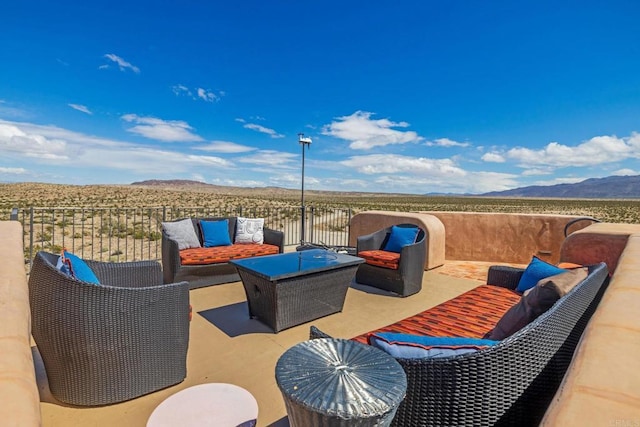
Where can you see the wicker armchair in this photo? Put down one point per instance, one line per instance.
(407, 279)
(107, 343)
(509, 384)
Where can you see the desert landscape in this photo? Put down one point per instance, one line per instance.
(123, 222)
(26, 195)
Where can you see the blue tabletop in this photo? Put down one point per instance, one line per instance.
(292, 264)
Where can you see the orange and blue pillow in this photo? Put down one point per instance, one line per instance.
(535, 271)
(407, 346)
(400, 237)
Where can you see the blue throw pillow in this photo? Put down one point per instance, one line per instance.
(80, 270)
(215, 233)
(399, 237)
(535, 271)
(408, 346)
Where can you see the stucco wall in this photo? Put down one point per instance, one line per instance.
(596, 243)
(19, 398)
(501, 237)
(602, 385)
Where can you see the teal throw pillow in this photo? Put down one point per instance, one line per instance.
(399, 237)
(215, 233)
(80, 270)
(408, 346)
(535, 271)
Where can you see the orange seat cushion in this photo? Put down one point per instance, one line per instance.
(380, 258)
(470, 315)
(219, 254)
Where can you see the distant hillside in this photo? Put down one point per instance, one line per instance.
(612, 187)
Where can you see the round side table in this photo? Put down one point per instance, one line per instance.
(215, 404)
(334, 382)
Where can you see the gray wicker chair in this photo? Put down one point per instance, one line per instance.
(407, 279)
(509, 384)
(107, 343)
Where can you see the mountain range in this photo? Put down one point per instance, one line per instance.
(611, 187)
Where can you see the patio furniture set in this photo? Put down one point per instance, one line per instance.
(502, 372)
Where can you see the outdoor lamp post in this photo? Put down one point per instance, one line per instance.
(303, 141)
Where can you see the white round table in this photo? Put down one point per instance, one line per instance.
(214, 404)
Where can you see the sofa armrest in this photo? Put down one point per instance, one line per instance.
(170, 259)
(504, 276)
(274, 237)
(370, 242)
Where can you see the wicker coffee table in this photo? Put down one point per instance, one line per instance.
(288, 289)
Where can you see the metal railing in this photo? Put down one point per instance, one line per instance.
(134, 234)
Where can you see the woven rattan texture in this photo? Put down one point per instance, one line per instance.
(509, 384)
(104, 344)
(289, 302)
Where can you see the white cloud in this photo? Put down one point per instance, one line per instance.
(122, 64)
(258, 128)
(446, 142)
(391, 164)
(197, 93)
(56, 146)
(365, 133)
(596, 151)
(8, 111)
(161, 130)
(271, 158)
(560, 180)
(16, 141)
(474, 183)
(493, 158)
(625, 172)
(537, 171)
(207, 95)
(80, 108)
(13, 171)
(225, 147)
(237, 182)
(181, 90)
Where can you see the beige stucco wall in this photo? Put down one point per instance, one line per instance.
(596, 243)
(370, 221)
(602, 385)
(502, 237)
(19, 398)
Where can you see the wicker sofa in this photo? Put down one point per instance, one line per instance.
(210, 266)
(510, 383)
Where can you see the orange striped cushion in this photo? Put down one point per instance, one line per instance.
(470, 315)
(218, 254)
(381, 258)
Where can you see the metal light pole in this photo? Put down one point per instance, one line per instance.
(303, 141)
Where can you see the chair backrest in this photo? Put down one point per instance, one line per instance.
(106, 344)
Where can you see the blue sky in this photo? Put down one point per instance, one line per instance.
(405, 97)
